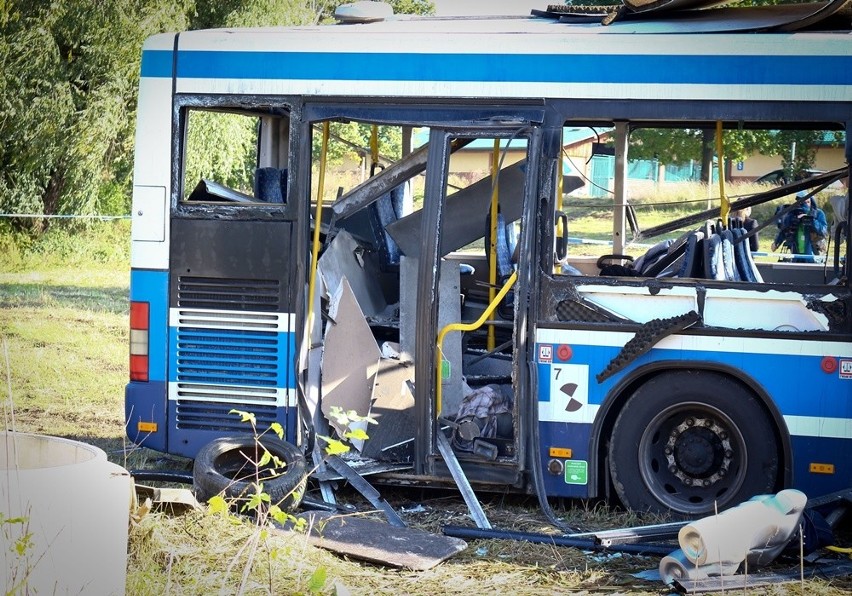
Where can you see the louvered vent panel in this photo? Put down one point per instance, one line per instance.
(199, 415)
(228, 294)
(228, 357)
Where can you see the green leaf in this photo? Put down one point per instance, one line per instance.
(282, 517)
(357, 434)
(217, 505)
(264, 459)
(339, 415)
(255, 501)
(317, 581)
(334, 447)
(277, 429)
(245, 416)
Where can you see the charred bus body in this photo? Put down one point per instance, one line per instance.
(704, 377)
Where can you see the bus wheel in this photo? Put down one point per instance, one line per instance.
(688, 442)
(223, 466)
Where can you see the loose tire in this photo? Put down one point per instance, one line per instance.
(224, 466)
(687, 442)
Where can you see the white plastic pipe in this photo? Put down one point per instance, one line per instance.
(65, 517)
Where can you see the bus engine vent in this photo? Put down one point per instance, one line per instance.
(199, 415)
(244, 361)
(229, 294)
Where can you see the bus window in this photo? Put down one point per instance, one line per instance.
(668, 216)
(234, 158)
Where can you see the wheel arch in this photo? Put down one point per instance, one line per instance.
(618, 396)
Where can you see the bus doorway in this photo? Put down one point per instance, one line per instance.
(440, 343)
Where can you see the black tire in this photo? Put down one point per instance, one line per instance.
(222, 467)
(687, 442)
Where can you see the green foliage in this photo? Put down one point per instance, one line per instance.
(255, 13)
(18, 539)
(221, 147)
(351, 141)
(69, 75)
(421, 7)
(68, 86)
(317, 581)
(259, 503)
(684, 145)
(65, 245)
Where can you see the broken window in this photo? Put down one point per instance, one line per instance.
(234, 157)
(670, 215)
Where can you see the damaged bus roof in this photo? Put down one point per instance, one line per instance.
(503, 57)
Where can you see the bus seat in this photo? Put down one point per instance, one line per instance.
(383, 212)
(689, 264)
(652, 256)
(270, 185)
(728, 263)
(506, 244)
(743, 259)
(713, 266)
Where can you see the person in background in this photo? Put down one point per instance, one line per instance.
(803, 231)
(748, 223)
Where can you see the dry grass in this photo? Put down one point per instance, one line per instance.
(201, 553)
(189, 555)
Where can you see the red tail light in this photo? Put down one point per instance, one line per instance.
(139, 341)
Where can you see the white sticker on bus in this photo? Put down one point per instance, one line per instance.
(845, 369)
(569, 395)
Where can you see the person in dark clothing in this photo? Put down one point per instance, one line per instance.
(803, 231)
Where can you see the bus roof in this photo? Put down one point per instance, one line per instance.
(505, 57)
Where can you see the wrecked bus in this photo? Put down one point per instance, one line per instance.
(456, 309)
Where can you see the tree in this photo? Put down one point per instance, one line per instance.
(69, 82)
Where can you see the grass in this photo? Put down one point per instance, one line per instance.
(63, 320)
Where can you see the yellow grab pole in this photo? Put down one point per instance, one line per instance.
(317, 226)
(492, 248)
(466, 327)
(725, 207)
(560, 179)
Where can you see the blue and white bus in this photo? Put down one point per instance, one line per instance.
(284, 282)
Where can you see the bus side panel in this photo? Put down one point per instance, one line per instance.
(816, 472)
(145, 402)
(567, 406)
(231, 330)
(812, 397)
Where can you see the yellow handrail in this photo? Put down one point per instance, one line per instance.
(466, 327)
(492, 248)
(317, 226)
(560, 204)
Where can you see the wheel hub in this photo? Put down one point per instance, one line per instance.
(698, 452)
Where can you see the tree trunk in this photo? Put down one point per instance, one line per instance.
(50, 198)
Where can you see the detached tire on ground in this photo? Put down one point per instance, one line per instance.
(689, 441)
(224, 466)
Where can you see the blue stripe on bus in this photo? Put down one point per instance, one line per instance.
(796, 383)
(156, 63)
(547, 68)
(153, 287)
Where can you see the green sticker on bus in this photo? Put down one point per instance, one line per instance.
(576, 472)
(445, 370)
